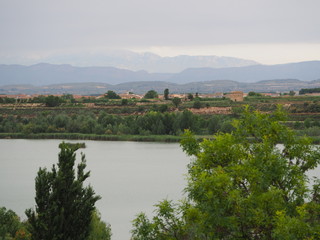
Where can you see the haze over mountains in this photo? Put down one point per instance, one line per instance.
(238, 72)
(149, 62)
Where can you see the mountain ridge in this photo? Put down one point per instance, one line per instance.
(148, 61)
(46, 74)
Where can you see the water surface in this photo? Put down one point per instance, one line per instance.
(129, 176)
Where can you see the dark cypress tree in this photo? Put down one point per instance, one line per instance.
(63, 205)
(166, 94)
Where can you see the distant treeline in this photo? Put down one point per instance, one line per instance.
(309, 90)
(150, 123)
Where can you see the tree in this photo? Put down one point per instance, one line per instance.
(190, 96)
(166, 94)
(112, 95)
(292, 93)
(176, 101)
(99, 230)
(52, 101)
(254, 94)
(197, 104)
(10, 225)
(124, 102)
(243, 185)
(151, 94)
(63, 205)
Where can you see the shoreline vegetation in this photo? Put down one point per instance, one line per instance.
(154, 118)
(80, 136)
(132, 138)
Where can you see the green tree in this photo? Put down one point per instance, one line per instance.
(243, 185)
(52, 101)
(112, 95)
(197, 104)
(190, 96)
(63, 205)
(292, 93)
(99, 230)
(176, 101)
(166, 94)
(151, 94)
(254, 94)
(167, 224)
(10, 225)
(124, 102)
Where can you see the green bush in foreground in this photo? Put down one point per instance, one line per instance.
(243, 185)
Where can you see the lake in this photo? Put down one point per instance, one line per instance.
(129, 176)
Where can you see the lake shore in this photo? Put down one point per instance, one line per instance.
(81, 136)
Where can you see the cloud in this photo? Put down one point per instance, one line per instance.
(45, 27)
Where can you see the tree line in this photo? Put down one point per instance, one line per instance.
(150, 123)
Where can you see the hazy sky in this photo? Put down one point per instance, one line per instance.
(268, 31)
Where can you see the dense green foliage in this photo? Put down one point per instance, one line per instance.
(52, 101)
(112, 95)
(166, 94)
(151, 94)
(99, 230)
(243, 185)
(309, 90)
(63, 205)
(254, 94)
(151, 123)
(11, 228)
(176, 101)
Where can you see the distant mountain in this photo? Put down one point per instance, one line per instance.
(149, 62)
(280, 85)
(305, 71)
(46, 74)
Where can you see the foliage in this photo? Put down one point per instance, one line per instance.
(166, 94)
(63, 205)
(176, 101)
(243, 185)
(53, 101)
(7, 100)
(112, 95)
(254, 94)
(124, 102)
(156, 122)
(197, 104)
(190, 96)
(167, 223)
(151, 94)
(309, 90)
(292, 93)
(11, 227)
(99, 230)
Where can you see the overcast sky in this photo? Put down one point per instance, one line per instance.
(268, 31)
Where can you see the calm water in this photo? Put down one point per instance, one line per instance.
(130, 177)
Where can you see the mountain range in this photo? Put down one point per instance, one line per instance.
(50, 78)
(46, 74)
(149, 62)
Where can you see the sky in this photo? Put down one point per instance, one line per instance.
(267, 31)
